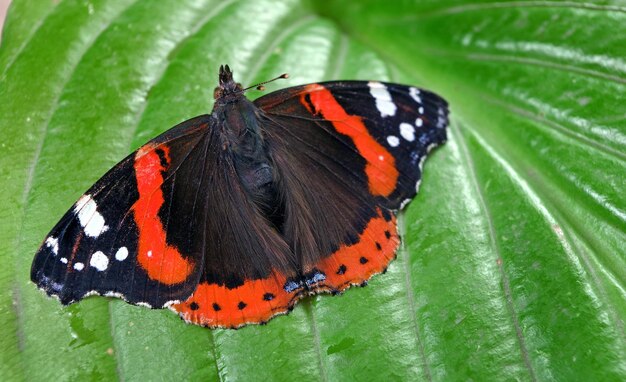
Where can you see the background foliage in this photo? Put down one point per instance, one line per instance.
(514, 260)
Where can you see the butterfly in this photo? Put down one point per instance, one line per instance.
(230, 218)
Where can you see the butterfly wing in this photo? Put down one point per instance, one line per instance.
(349, 154)
(170, 225)
(94, 249)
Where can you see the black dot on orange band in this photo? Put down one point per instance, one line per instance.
(268, 297)
(363, 260)
(216, 307)
(378, 246)
(342, 269)
(387, 234)
(241, 305)
(194, 306)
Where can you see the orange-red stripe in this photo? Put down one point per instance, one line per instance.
(380, 169)
(162, 262)
(354, 264)
(255, 301)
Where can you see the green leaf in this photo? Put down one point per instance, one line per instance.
(514, 260)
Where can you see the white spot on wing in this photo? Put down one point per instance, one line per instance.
(393, 141)
(99, 261)
(384, 104)
(404, 203)
(121, 254)
(415, 94)
(79, 266)
(380, 157)
(419, 122)
(90, 219)
(421, 164)
(149, 253)
(114, 294)
(63, 260)
(407, 131)
(53, 244)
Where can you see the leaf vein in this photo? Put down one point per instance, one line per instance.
(466, 8)
(556, 126)
(573, 250)
(275, 42)
(533, 61)
(27, 41)
(410, 297)
(316, 340)
(494, 244)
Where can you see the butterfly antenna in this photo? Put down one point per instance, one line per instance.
(260, 86)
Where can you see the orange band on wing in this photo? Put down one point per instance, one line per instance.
(256, 301)
(354, 264)
(162, 262)
(381, 171)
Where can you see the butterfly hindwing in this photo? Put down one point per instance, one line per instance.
(247, 265)
(212, 215)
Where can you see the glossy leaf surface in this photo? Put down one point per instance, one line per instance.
(514, 262)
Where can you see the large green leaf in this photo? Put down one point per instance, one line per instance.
(514, 265)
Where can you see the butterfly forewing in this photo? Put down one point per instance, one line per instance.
(95, 248)
(392, 127)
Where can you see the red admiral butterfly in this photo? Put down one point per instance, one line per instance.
(230, 218)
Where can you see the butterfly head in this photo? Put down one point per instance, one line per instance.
(228, 86)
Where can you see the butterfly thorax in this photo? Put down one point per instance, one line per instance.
(237, 121)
